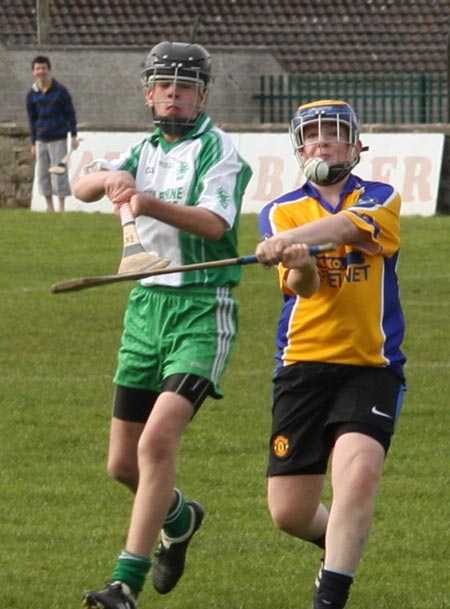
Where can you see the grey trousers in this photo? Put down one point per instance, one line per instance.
(49, 154)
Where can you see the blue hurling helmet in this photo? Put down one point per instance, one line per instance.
(177, 62)
(328, 110)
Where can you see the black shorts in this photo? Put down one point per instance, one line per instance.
(135, 405)
(314, 403)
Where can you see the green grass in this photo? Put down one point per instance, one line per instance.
(63, 521)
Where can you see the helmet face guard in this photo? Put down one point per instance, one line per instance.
(346, 125)
(178, 63)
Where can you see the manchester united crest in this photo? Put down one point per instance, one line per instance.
(280, 446)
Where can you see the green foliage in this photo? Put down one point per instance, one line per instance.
(63, 520)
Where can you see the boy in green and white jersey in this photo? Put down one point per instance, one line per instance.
(201, 170)
(185, 185)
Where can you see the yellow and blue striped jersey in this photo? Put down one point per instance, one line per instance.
(355, 317)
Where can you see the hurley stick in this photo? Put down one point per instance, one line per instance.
(134, 257)
(73, 285)
(61, 167)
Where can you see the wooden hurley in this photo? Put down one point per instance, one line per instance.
(134, 257)
(73, 285)
(61, 167)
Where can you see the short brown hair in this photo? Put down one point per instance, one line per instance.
(41, 59)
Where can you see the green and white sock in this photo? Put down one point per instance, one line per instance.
(132, 570)
(178, 520)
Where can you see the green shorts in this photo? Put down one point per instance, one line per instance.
(170, 330)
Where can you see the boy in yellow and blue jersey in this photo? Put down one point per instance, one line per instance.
(339, 379)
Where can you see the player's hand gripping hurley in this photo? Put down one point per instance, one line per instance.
(83, 283)
(134, 257)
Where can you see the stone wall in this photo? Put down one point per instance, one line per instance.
(17, 167)
(106, 89)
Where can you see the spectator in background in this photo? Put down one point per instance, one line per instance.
(52, 116)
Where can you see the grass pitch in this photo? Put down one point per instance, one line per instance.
(63, 521)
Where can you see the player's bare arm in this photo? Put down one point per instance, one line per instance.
(196, 220)
(119, 186)
(338, 228)
(302, 276)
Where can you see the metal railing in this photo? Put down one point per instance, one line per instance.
(386, 98)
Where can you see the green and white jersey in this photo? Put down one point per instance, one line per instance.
(201, 169)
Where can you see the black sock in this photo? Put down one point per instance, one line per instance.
(320, 542)
(334, 590)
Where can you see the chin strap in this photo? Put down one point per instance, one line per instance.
(174, 126)
(170, 127)
(336, 173)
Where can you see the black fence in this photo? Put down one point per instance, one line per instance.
(387, 99)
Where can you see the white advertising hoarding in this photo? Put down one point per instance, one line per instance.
(410, 162)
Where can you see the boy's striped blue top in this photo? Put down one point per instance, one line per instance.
(51, 113)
